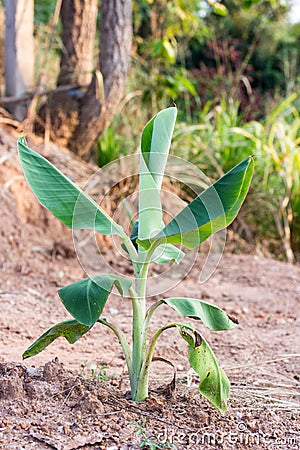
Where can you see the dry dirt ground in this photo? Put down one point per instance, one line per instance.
(71, 397)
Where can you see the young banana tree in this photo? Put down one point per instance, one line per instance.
(151, 242)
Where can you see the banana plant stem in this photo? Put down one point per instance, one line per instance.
(138, 337)
(150, 313)
(139, 332)
(143, 380)
(124, 345)
(132, 254)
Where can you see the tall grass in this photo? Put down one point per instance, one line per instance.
(221, 139)
(278, 144)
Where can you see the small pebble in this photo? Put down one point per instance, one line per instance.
(33, 372)
(252, 425)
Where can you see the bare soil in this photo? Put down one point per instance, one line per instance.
(71, 397)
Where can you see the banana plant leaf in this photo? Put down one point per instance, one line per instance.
(212, 316)
(86, 298)
(167, 253)
(70, 329)
(155, 145)
(214, 384)
(62, 197)
(212, 210)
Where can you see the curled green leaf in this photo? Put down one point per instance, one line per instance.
(155, 145)
(70, 330)
(86, 298)
(214, 384)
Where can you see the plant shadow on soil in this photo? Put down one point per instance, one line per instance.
(46, 404)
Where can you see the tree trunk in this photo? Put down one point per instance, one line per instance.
(78, 19)
(59, 117)
(19, 52)
(103, 97)
(75, 118)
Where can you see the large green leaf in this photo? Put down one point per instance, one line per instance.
(155, 145)
(62, 197)
(86, 298)
(214, 384)
(71, 330)
(156, 141)
(212, 316)
(212, 210)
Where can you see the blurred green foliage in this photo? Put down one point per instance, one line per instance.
(221, 138)
(43, 10)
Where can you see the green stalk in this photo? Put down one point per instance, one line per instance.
(132, 254)
(138, 337)
(145, 370)
(124, 345)
(139, 332)
(150, 313)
